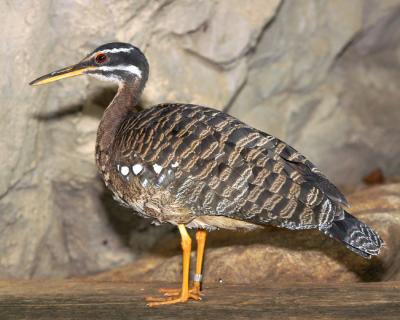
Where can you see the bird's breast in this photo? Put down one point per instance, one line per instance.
(142, 187)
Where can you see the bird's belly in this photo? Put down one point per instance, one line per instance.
(131, 195)
(156, 203)
(220, 222)
(149, 201)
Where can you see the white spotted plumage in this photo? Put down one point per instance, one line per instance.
(124, 170)
(137, 168)
(157, 168)
(175, 164)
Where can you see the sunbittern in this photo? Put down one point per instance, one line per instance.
(200, 168)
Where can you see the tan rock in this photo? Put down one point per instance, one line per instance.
(282, 255)
(321, 75)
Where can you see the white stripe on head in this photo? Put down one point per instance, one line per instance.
(115, 50)
(109, 78)
(129, 68)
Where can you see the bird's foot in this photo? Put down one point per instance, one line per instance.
(168, 292)
(172, 296)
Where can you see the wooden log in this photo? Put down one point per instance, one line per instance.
(84, 299)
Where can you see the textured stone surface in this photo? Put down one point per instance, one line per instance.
(321, 75)
(280, 255)
(80, 299)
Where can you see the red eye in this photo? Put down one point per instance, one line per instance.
(101, 58)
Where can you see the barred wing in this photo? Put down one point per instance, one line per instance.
(213, 164)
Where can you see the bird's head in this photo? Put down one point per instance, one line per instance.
(115, 62)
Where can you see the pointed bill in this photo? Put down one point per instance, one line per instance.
(63, 73)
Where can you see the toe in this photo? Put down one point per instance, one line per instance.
(156, 299)
(168, 291)
(195, 296)
(166, 301)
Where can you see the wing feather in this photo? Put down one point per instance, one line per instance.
(223, 167)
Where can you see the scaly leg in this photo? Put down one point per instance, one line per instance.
(184, 292)
(201, 236)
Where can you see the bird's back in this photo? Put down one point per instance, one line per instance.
(211, 164)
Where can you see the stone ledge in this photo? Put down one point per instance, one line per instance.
(82, 299)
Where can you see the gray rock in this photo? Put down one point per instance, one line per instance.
(321, 75)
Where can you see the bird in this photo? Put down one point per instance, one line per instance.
(200, 168)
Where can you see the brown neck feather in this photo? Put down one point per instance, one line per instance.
(124, 102)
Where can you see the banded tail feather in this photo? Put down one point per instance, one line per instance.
(356, 236)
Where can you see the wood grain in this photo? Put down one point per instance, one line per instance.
(82, 299)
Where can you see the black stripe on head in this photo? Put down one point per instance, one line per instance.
(114, 45)
(123, 60)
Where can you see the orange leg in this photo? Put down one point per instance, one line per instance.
(201, 236)
(184, 292)
(201, 241)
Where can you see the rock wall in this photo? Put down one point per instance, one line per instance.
(274, 255)
(322, 75)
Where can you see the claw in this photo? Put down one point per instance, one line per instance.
(170, 297)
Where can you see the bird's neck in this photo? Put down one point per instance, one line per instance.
(124, 102)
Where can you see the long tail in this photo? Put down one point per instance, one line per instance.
(356, 236)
